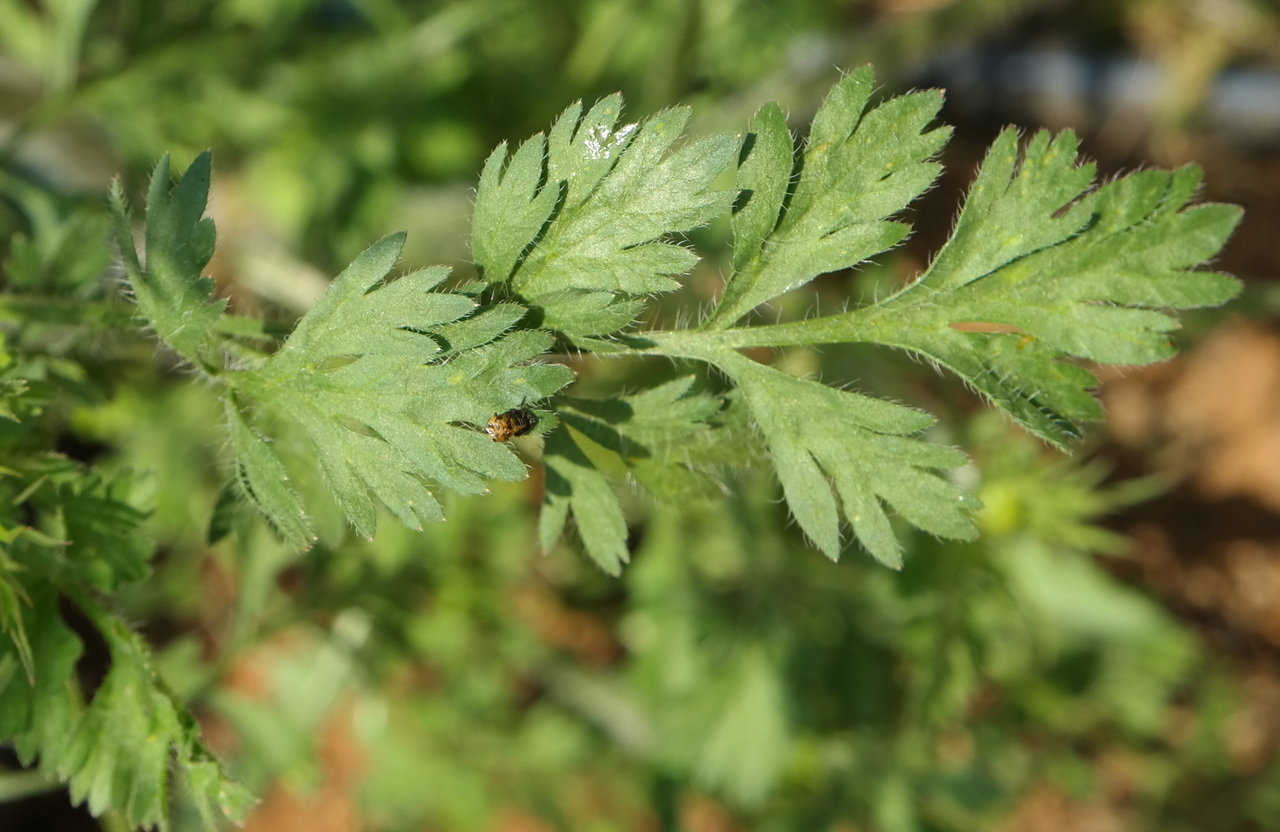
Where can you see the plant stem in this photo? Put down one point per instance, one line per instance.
(849, 327)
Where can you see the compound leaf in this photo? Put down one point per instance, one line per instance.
(656, 436)
(827, 443)
(862, 165)
(1038, 273)
(130, 737)
(387, 380)
(587, 228)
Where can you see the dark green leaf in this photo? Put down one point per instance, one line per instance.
(656, 436)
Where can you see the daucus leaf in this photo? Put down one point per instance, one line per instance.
(1039, 272)
(653, 435)
(573, 482)
(390, 379)
(129, 739)
(125, 747)
(588, 225)
(828, 444)
(171, 293)
(1030, 280)
(862, 164)
(387, 379)
(512, 205)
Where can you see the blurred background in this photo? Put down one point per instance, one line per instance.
(1105, 657)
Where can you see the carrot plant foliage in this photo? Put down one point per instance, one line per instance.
(382, 391)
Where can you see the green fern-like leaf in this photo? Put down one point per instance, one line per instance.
(577, 221)
(171, 293)
(653, 436)
(125, 749)
(1040, 271)
(389, 381)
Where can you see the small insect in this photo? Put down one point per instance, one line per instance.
(513, 423)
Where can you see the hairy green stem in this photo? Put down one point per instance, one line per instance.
(860, 325)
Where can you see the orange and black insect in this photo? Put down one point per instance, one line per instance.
(513, 423)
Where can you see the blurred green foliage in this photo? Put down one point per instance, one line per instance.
(732, 676)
